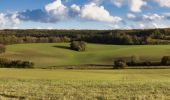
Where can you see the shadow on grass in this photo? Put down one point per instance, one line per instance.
(13, 97)
(63, 47)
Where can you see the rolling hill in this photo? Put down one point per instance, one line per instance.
(56, 54)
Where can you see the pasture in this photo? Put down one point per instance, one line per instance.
(128, 84)
(58, 54)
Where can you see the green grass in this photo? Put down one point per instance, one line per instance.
(56, 54)
(48, 84)
(129, 84)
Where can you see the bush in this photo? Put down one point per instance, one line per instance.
(145, 63)
(78, 45)
(27, 64)
(119, 64)
(2, 48)
(6, 63)
(134, 59)
(165, 60)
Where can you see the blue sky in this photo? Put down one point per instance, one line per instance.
(84, 14)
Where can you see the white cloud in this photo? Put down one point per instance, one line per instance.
(163, 3)
(167, 15)
(136, 5)
(10, 20)
(98, 13)
(149, 25)
(117, 3)
(159, 25)
(96, 1)
(75, 8)
(145, 18)
(2, 19)
(131, 16)
(57, 9)
(14, 19)
(153, 17)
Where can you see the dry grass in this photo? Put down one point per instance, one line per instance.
(129, 84)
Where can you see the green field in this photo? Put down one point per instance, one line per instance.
(56, 54)
(129, 84)
(50, 84)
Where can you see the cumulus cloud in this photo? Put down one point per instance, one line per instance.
(117, 3)
(133, 5)
(163, 3)
(98, 13)
(131, 16)
(57, 9)
(75, 8)
(136, 5)
(8, 20)
(93, 10)
(52, 13)
(166, 15)
(2, 19)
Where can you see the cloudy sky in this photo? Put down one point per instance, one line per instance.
(84, 14)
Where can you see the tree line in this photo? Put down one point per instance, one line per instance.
(12, 39)
(121, 37)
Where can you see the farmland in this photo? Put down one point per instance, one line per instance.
(148, 84)
(56, 54)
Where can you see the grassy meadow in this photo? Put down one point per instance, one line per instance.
(45, 84)
(56, 54)
(60, 84)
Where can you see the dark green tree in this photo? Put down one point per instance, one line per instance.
(165, 60)
(119, 64)
(78, 45)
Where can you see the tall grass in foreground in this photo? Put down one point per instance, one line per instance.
(128, 84)
(84, 90)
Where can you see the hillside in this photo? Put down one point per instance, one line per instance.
(56, 54)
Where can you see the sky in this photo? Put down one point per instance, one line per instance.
(84, 14)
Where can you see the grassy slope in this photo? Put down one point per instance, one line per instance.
(133, 84)
(59, 54)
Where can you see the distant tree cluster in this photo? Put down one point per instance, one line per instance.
(134, 61)
(2, 48)
(78, 45)
(7, 63)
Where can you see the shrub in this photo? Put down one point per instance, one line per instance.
(6, 63)
(119, 64)
(134, 59)
(78, 45)
(2, 48)
(145, 63)
(27, 64)
(165, 60)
